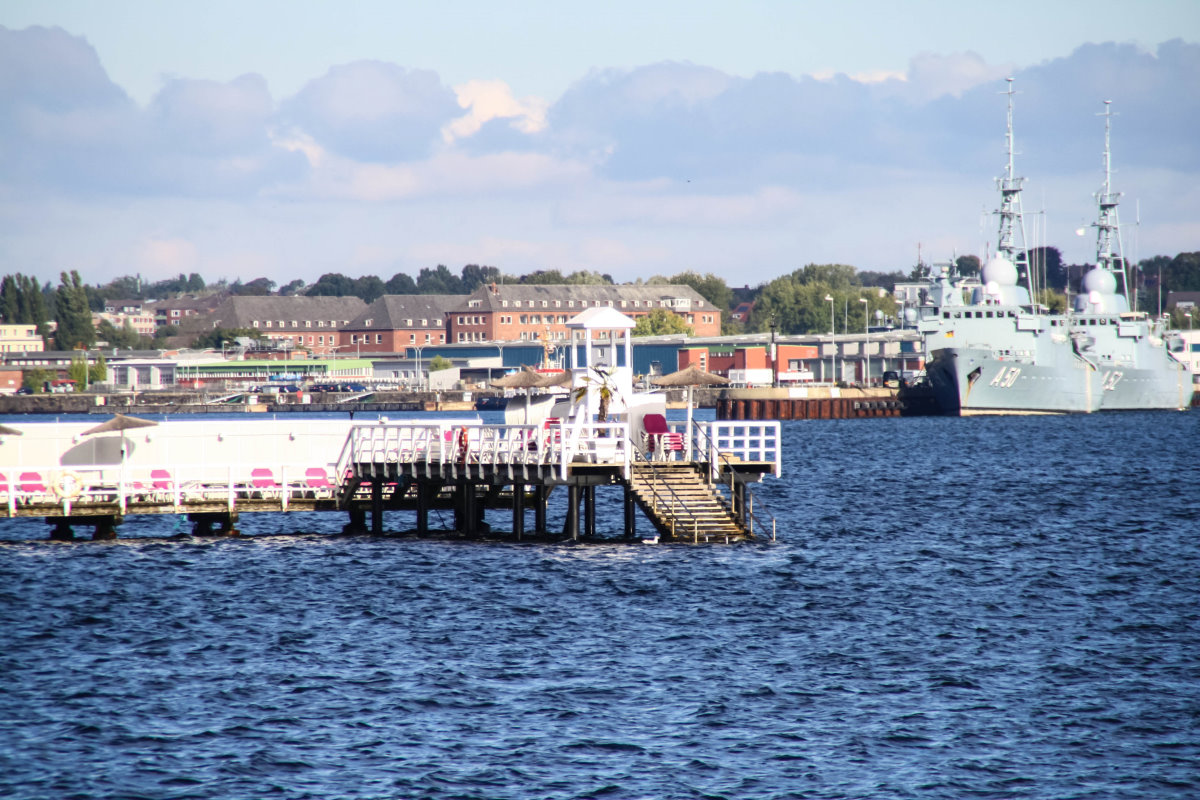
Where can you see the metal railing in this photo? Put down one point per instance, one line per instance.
(175, 484)
(716, 456)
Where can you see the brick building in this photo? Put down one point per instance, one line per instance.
(311, 323)
(520, 312)
(398, 321)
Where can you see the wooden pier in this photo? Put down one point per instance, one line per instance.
(692, 486)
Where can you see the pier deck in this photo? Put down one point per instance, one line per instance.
(690, 484)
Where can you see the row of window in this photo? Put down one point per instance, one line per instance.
(308, 323)
(408, 323)
(679, 302)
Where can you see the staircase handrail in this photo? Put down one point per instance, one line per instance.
(654, 491)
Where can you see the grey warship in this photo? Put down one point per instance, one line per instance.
(1000, 352)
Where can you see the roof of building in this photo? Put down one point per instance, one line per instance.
(1175, 298)
(245, 311)
(396, 311)
(495, 296)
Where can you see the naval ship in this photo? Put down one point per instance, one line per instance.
(992, 349)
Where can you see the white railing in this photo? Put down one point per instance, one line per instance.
(175, 484)
(747, 441)
(472, 445)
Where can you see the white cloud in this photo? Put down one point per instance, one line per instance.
(488, 100)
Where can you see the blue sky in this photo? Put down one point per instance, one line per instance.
(289, 139)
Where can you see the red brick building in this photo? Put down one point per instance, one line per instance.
(398, 321)
(521, 312)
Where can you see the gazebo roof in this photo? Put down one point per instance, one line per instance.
(600, 318)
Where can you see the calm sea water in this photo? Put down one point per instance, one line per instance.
(990, 608)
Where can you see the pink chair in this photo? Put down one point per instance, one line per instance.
(33, 483)
(160, 480)
(263, 478)
(658, 437)
(316, 480)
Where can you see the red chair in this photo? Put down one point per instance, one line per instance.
(160, 480)
(658, 438)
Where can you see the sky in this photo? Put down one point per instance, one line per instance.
(290, 139)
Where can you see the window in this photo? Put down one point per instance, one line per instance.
(310, 339)
(369, 323)
(353, 339)
(320, 323)
(545, 303)
(255, 324)
(308, 324)
(442, 338)
(428, 338)
(517, 303)
(504, 303)
(268, 323)
(408, 323)
(295, 324)
(379, 338)
(624, 303)
(320, 340)
(437, 323)
(425, 323)
(460, 319)
(570, 304)
(412, 338)
(524, 319)
(558, 303)
(281, 324)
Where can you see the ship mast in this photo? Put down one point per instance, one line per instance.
(1109, 254)
(1011, 244)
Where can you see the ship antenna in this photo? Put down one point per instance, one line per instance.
(1012, 221)
(1109, 253)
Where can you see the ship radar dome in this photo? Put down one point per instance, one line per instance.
(1000, 271)
(1099, 280)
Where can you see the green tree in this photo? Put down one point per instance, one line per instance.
(437, 364)
(291, 288)
(98, 372)
(78, 371)
(74, 316)
(474, 276)
(709, 286)
(1054, 300)
(661, 322)
(967, 266)
(400, 283)
(438, 281)
(35, 379)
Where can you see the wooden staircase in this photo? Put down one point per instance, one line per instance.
(683, 505)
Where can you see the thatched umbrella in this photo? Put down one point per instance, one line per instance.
(121, 423)
(526, 378)
(554, 379)
(7, 431)
(689, 377)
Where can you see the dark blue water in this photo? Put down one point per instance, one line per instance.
(983, 608)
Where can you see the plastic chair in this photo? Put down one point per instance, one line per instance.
(316, 479)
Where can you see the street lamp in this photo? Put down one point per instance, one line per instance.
(867, 343)
(774, 356)
(418, 349)
(832, 340)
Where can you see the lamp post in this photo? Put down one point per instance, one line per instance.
(418, 349)
(867, 342)
(774, 356)
(832, 341)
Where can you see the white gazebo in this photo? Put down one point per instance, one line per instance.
(601, 353)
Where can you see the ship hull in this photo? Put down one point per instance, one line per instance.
(970, 381)
(1167, 386)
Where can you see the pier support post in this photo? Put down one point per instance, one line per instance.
(518, 510)
(357, 524)
(630, 514)
(539, 508)
(106, 528)
(61, 532)
(422, 508)
(589, 512)
(572, 527)
(377, 507)
(225, 522)
(739, 501)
